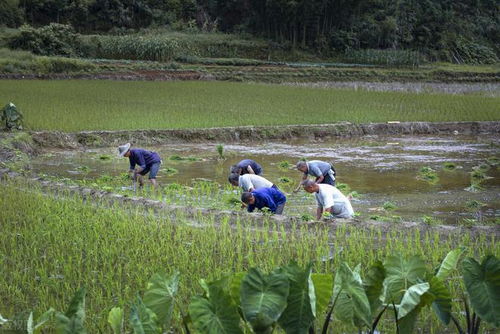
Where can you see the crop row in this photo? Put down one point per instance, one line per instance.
(52, 246)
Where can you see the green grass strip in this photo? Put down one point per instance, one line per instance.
(110, 105)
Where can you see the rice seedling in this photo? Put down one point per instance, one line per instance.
(220, 151)
(428, 174)
(114, 250)
(389, 206)
(112, 105)
(449, 166)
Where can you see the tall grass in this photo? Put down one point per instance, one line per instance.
(51, 246)
(94, 105)
(166, 47)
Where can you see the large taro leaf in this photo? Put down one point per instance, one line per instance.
(300, 311)
(72, 322)
(115, 319)
(441, 299)
(407, 323)
(449, 263)
(411, 298)
(215, 314)
(160, 297)
(353, 306)
(400, 274)
(235, 287)
(482, 282)
(323, 286)
(373, 285)
(33, 327)
(263, 298)
(142, 319)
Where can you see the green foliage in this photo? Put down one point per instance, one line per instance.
(220, 151)
(64, 105)
(142, 319)
(482, 282)
(428, 174)
(216, 313)
(389, 206)
(51, 40)
(115, 320)
(263, 298)
(160, 297)
(72, 322)
(12, 117)
(449, 166)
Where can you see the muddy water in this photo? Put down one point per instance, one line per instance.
(379, 168)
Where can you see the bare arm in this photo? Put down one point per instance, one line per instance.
(304, 177)
(319, 212)
(320, 179)
(250, 169)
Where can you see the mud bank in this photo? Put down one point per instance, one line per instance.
(251, 221)
(93, 139)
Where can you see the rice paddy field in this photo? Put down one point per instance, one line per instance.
(53, 243)
(113, 105)
(52, 246)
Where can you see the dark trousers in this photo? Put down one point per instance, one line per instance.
(328, 180)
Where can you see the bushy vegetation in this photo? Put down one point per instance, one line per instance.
(98, 105)
(459, 31)
(26, 62)
(55, 245)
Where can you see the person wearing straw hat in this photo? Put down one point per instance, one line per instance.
(142, 162)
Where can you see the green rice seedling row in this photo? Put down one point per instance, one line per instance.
(53, 246)
(109, 105)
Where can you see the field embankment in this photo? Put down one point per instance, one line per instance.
(89, 139)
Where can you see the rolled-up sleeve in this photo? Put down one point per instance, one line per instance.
(315, 171)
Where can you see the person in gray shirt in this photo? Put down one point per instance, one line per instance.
(322, 171)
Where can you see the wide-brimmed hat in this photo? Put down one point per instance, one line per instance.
(123, 149)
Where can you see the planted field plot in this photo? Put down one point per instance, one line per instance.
(424, 179)
(108, 105)
(54, 246)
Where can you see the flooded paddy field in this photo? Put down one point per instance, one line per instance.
(382, 171)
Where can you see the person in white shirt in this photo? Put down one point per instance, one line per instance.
(329, 199)
(250, 182)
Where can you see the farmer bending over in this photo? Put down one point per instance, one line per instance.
(146, 161)
(265, 198)
(250, 182)
(329, 199)
(247, 166)
(322, 171)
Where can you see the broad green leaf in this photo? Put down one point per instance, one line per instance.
(441, 303)
(160, 297)
(29, 324)
(263, 298)
(3, 321)
(72, 322)
(401, 274)
(482, 282)
(353, 306)
(323, 286)
(407, 323)
(217, 314)
(142, 319)
(115, 319)
(411, 298)
(235, 287)
(43, 319)
(449, 263)
(373, 285)
(300, 311)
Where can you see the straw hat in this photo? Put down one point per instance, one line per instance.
(123, 149)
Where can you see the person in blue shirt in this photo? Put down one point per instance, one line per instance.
(142, 162)
(270, 198)
(246, 166)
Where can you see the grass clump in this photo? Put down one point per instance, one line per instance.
(389, 206)
(449, 166)
(432, 221)
(428, 174)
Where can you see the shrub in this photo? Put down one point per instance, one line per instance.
(53, 39)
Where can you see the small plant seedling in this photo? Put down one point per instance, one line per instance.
(220, 151)
(429, 220)
(83, 169)
(176, 157)
(474, 188)
(354, 194)
(344, 187)
(173, 186)
(482, 167)
(389, 206)
(284, 179)
(428, 174)
(376, 217)
(170, 171)
(474, 205)
(306, 217)
(493, 161)
(104, 157)
(233, 201)
(284, 164)
(449, 166)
